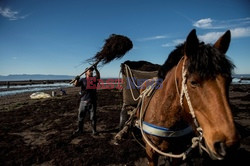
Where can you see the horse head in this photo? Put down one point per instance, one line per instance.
(207, 80)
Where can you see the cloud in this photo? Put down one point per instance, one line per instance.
(203, 23)
(211, 37)
(239, 22)
(173, 43)
(235, 33)
(240, 32)
(153, 38)
(239, 28)
(10, 14)
(207, 38)
(208, 23)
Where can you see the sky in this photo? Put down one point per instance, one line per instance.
(57, 36)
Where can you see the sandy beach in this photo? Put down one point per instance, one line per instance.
(39, 132)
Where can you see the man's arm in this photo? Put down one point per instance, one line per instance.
(76, 82)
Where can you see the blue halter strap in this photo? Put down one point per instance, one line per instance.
(164, 132)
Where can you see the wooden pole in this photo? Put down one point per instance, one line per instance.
(86, 70)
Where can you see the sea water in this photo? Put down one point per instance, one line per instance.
(31, 88)
(241, 79)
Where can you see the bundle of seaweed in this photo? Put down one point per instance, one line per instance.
(115, 47)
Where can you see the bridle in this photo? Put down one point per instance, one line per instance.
(196, 141)
(184, 94)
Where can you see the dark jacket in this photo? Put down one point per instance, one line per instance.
(88, 89)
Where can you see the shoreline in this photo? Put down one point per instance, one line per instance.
(31, 82)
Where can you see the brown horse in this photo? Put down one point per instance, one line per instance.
(194, 94)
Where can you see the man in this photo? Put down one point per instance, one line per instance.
(88, 99)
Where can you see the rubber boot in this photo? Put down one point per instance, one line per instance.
(79, 131)
(93, 124)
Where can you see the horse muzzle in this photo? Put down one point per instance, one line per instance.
(223, 150)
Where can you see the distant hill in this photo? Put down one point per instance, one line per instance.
(21, 77)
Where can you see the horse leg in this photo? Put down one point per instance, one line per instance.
(152, 156)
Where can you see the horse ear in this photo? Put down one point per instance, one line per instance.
(192, 43)
(223, 42)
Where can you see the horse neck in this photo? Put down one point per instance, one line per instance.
(164, 108)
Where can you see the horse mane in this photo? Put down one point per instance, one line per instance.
(207, 63)
(173, 58)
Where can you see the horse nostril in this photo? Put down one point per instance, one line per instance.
(220, 148)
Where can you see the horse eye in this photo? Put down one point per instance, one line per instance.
(194, 83)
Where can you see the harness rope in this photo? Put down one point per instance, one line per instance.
(184, 91)
(176, 84)
(147, 91)
(130, 76)
(196, 141)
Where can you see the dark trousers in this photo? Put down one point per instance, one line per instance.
(87, 107)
